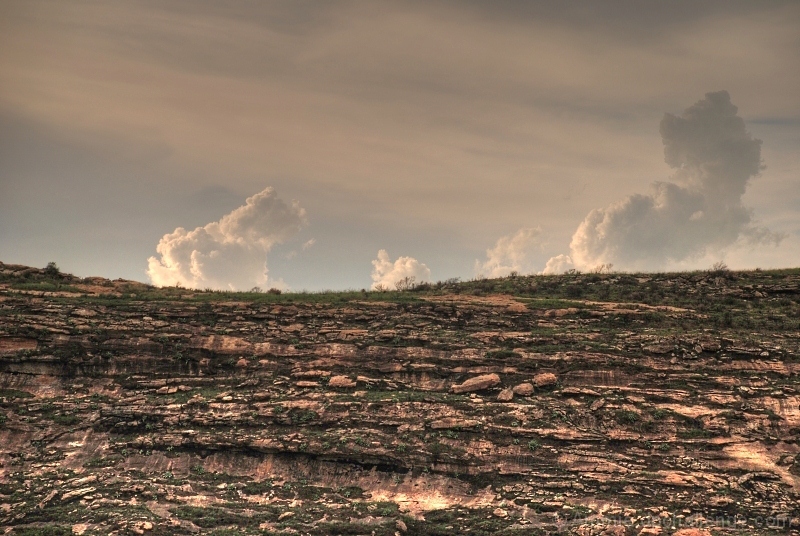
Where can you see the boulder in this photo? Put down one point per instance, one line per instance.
(523, 389)
(545, 379)
(506, 395)
(478, 383)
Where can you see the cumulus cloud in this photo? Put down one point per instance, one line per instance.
(386, 274)
(698, 212)
(558, 265)
(512, 253)
(229, 253)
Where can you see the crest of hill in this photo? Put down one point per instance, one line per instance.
(676, 289)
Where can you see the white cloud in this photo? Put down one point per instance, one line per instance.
(513, 253)
(700, 213)
(309, 243)
(229, 253)
(386, 274)
(558, 265)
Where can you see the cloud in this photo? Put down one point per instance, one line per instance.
(558, 265)
(385, 273)
(513, 253)
(700, 212)
(229, 253)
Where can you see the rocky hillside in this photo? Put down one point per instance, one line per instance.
(578, 404)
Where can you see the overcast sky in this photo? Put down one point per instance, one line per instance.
(433, 139)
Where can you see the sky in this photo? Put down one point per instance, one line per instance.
(352, 144)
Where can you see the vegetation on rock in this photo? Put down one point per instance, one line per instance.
(572, 404)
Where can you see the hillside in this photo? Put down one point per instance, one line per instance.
(577, 404)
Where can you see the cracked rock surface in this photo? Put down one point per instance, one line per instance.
(581, 404)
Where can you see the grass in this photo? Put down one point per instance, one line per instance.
(538, 291)
(552, 303)
(12, 394)
(626, 417)
(65, 419)
(52, 530)
(46, 286)
(479, 521)
(501, 354)
(211, 517)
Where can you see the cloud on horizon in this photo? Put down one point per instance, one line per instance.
(511, 253)
(699, 212)
(230, 253)
(386, 274)
(122, 111)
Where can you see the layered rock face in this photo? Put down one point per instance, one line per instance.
(577, 404)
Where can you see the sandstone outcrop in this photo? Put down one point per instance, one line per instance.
(654, 402)
(341, 381)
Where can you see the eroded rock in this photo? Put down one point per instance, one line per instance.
(545, 379)
(478, 383)
(341, 382)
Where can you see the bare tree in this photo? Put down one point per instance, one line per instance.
(719, 266)
(606, 268)
(407, 283)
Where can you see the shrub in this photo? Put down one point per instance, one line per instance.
(719, 267)
(626, 417)
(407, 283)
(52, 270)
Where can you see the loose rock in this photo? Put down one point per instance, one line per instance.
(523, 389)
(478, 383)
(506, 395)
(545, 379)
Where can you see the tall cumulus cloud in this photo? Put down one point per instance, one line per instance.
(229, 253)
(699, 211)
(387, 273)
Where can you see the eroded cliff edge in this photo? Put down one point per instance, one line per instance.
(581, 404)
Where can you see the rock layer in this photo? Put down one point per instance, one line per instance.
(577, 404)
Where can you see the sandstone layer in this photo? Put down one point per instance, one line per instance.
(576, 404)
